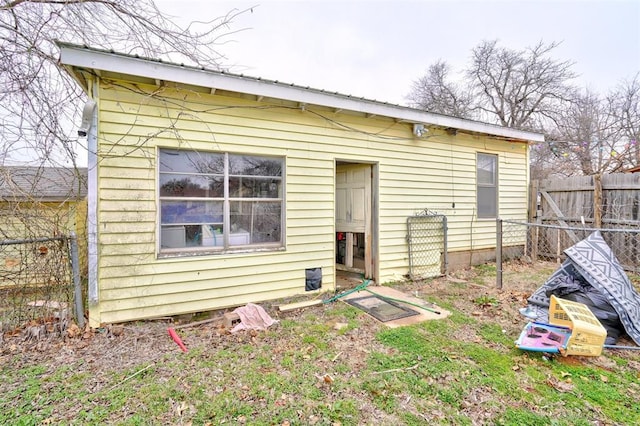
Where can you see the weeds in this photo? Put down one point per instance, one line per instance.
(486, 301)
(463, 369)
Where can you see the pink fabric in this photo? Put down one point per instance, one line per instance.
(252, 317)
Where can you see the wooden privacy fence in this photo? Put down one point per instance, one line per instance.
(601, 201)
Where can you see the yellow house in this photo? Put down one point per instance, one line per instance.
(40, 202)
(209, 190)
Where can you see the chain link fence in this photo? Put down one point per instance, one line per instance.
(40, 284)
(533, 242)
(427, 239)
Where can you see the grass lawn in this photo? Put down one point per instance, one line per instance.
(327, 365)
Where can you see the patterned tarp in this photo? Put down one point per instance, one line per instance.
(593, 260)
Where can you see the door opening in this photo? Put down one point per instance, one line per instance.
(354, 243)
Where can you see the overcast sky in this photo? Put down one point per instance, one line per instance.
(376, 49)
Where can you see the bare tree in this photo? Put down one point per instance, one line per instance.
(624, 104)
(583, 135)
(514, 88)
(595, 135)
(529, 89)
(38, 100)
(435, 92)
(519, 89)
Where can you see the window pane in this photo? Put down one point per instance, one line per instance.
(173, 236)
(183, 236)
(487, 201)
(172, 185)
(259, 220)
(191, 212)
(267, 227)
(486, 169)
(193, 206)
(172, 160)
(212, 236)
(254, 166)
(254, 187)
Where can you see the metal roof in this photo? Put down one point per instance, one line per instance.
(81, 58)
(42, 183)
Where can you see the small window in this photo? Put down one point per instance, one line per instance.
(487, 185)
(219, 201)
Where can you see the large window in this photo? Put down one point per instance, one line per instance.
(219, 201)
(487, 185)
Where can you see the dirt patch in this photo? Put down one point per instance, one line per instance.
(471, 292)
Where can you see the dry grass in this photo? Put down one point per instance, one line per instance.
(329, 364)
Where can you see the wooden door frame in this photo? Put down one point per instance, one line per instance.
(371, 226)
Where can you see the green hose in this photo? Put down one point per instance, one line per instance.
(348, 292)
(403, 301)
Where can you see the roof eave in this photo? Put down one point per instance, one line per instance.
(73, 56)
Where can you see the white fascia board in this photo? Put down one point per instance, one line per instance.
(156, 70)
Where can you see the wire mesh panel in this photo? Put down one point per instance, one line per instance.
(548, 242)
(533, 242)
(35, 281)
(427, 239)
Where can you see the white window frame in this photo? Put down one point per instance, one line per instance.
(229, 239)
(483, 187)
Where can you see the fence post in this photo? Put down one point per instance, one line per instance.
(445, 229)
(533, 199)
(558, 246)
(77, 285)
(597, 201)
(536, 236)
(498, 253)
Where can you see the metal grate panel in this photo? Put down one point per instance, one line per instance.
(382, 309)
(427, 239)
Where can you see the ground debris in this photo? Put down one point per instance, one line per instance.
(143, 348)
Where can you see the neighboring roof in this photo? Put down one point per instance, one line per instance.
(635, 169)
(118, 65)
(42, 183)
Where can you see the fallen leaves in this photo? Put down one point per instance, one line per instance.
(325, 379)
(560, 386)
(332, 368)
(73, 331)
